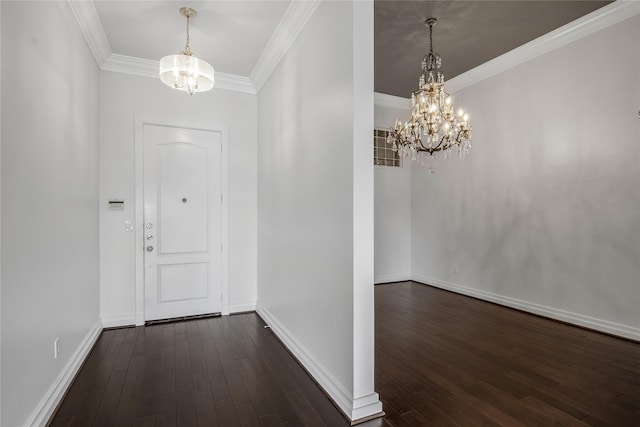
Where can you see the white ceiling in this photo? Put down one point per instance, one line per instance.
(230, 35)
(233, 34)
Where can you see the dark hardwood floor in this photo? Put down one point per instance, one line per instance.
(447, 359)
(224, 371)
(441, 359)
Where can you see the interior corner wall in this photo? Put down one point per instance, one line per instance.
(543, 214)
(50, 260)
(122, 98)
(306, 164)
(392, 209)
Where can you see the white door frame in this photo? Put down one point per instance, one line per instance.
(140, 122)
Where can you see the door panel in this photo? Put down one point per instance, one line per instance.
(182, 282)
(183, 222)
(183, 198)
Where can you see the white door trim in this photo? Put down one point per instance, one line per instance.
(140, 121)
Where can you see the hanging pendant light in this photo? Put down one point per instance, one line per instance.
(434, 127)
(185, 71)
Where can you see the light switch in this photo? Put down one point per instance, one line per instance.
(128, 226)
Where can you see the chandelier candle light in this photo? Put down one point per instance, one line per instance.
(434, 125)
(185, 71)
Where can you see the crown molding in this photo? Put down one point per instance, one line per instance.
(296, 17)
(294, 20)
(91, 27)
(87, 17)
(391, 101)
(148, 68)
(235, 83)
(130, 65)
(595, 21)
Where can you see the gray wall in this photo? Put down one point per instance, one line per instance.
(315, 232)
(392, 208)
(50, 277)
(544, 213)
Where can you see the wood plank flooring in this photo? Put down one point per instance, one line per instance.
(441, 359)
(446, 359)
(226, 371)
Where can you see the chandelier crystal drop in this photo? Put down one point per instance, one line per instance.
(185, 71)
(434, 125)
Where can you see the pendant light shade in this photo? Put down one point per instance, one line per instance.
(185, 71)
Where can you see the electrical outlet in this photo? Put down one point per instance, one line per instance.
(56, 348)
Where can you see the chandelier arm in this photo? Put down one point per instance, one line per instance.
(447, 144)
(422, 146)
(435, 150)
(440, 147)
(414, 136)
(460, 132)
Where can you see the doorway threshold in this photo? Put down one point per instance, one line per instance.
(181, 318)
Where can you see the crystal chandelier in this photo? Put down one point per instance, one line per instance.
(184, 71)
(434, 126)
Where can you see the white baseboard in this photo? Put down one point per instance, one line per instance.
(239, 307)
(140, 318)
(354, 409)
(389, 278)
(612, 328)
(365, 408)
(117, 320)
(56, 392)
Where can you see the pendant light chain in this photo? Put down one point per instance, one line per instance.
(430, 38)
(187, 49)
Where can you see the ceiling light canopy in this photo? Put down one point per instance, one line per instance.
(434, 125)
(185, 71)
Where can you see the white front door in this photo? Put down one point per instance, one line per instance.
(182, 222)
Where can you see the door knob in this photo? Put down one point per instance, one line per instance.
(149, 248)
